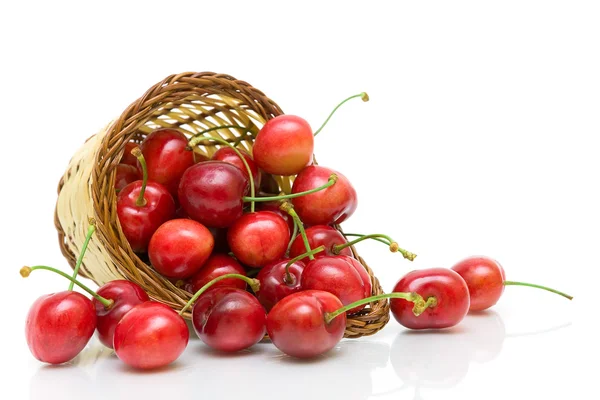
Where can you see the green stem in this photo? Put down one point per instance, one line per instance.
(420, 305)
(513, 283)
(390, 242)
(293, 237)
(360, 235)
(288, 277)
(364, 96)
(107, 303)
(88, 236)
(288, 208)
(197, 139)
(137, 153)
(216, 128)
(254, 285)
(332, 180)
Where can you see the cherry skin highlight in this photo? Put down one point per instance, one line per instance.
(125, 295)
(215, 266)
(212, 193)
(332, 205)
(485, 279)
(342, 276)
(446, 286)
(296, 325)
(320, 235)
(180, 247)
(167, 157)
(126, 174)
(228, 155)
(259, 238)
(150, 335)
(59, 326)
(140, 222)
(229, 319)
(284, 145)
(275, 284)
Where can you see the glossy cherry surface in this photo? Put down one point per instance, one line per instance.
(296, 325)
(343, 276)
(125, 295)
(273, 206)
(215, 266)
(485, 279)
(284, 145)
(320, 235)
(446, 286)
(59, 325)
(275, 284)
(140, 222)
(150, 335)
(228, 155)
(167, 157)
(229, 319)
(180, 247)
(332, 205)
(211, 192)
(125, 175)
(259, 238)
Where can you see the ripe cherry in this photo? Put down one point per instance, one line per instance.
(126, 174)
(259, 238)
(142, 207)
(444, 299)
(274, 206)
(227, 154)
(486, 280)
(320, 235)
(166, 157)
(180, 247)
(218, 265)
(150, 335)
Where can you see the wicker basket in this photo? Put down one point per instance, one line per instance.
(190, 102)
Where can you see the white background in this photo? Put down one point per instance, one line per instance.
(480, 138)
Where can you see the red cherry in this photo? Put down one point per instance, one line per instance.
(212, 193)
(275, 283)
(259, 238)
(125, 175)
(217, 265)
(180, 247)
(273, 206)
(229, 319)
(332, 205)
(296, 325)
(343, 276)
(59, 326)
(150, 335)
(445, 292)
(167, 157)
(125, 295)
(320, 235)
(227, 154)
(284, 145)
(128, 158)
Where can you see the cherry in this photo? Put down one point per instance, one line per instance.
(226, 318)
(486, 280)
(128, 158)
(332, 205)
(280, 279)
(166, 157)
(342, 276)
(125, 175)
(227, 154)
(320, 235)
(259, 238)
(142, 207)
(446, 304)
(217, 265)
(274, 206)
(180, 247)
(150, 335)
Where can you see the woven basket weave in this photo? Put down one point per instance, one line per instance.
(190, 102)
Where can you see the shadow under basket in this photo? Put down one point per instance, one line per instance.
(190, 102)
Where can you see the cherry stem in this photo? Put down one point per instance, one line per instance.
(513, 283)
(364, 96)
(293, 237)
(107, 303)
(197, 139)
(390, 242)
(254, 285)
(288, 208)
(332, 180)
(137, 153)
(288, 277)
(420, 305)
(374, 238)
(216, 128)
(88, 236)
